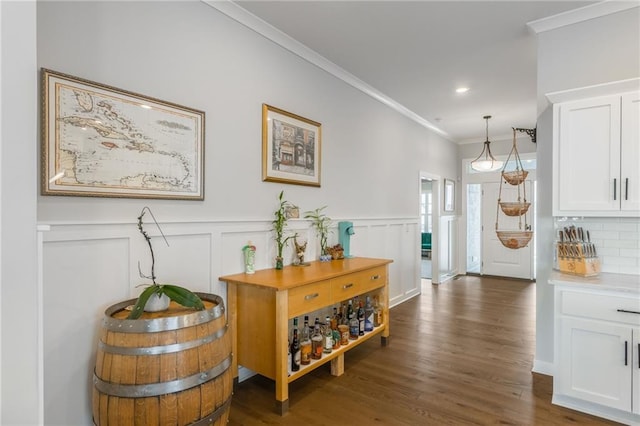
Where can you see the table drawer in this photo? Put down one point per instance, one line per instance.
(348, 286)
(603, 307)
(309, 297)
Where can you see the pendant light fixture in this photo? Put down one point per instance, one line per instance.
(486, 162)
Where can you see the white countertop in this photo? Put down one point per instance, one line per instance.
(604, 281)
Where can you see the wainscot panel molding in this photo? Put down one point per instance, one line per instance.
(87, 267)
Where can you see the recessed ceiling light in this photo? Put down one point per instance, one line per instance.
(462, 89)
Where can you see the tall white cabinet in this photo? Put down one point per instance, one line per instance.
(596, 154)
(597, 333)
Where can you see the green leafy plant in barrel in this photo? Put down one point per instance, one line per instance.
(176, 293)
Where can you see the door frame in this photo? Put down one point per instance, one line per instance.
(436, 190)
(482, 177)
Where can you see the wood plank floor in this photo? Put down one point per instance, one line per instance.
(460, 354)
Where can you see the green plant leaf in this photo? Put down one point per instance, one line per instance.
(182, 296)
(138, 309)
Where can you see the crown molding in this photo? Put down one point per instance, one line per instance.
(581, 14)
(605, 89)
(252, 22)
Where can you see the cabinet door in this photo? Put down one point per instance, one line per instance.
(630, 160)
(592, 362)
(636, 371)
(587, 156)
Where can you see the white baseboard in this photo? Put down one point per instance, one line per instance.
(543, 367)
(598, 410)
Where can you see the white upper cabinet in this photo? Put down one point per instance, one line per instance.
(596, 154)
(630, 153)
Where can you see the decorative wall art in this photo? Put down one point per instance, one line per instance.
(100, 141)
(449, 195)
(291, 148)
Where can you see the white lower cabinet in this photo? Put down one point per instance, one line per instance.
(597, 353)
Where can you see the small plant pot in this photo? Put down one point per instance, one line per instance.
(279, 263)
(157, 303)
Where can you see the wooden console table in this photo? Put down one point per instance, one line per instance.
(260, 305)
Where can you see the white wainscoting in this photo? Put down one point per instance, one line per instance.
(87, 267)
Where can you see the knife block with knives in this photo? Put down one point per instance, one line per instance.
(577, 255)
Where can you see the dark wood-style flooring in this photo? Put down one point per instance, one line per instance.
(460, 354)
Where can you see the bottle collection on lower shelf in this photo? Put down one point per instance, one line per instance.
(349, 321)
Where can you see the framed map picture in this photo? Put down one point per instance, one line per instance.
(290, 148)
(100, 141)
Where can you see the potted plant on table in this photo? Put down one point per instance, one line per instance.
(279, 225)
(156, 297)
(322, 223)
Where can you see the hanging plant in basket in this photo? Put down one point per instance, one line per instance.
(514, 239)
(151, 299)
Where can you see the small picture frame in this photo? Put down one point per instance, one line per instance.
(449, 195)
(291, 148)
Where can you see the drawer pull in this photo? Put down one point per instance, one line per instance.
(346, 286)
(375, 277)
(638, 355)
(311, 296)
(628, 312)
(625, 352)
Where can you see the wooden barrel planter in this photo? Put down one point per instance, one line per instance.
(171, 367)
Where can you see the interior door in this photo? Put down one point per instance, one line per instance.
(497, 259)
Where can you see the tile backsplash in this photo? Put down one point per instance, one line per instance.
(617, 241)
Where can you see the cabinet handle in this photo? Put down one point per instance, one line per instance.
(375, 277)
(615, 189)
(626, 189)
(311, 296)
(346, 286)
(638, 355)
(625, 352)
(628, 312)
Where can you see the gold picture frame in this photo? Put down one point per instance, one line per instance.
(291, 148)
(101, 141)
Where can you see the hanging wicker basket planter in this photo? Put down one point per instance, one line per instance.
(515, 177)
(514, 239)
(514, 209)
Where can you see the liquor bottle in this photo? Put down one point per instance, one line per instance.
(327, 338)
(305, 344)
(354, 327)
(377, 313)
(335, 333)
(334, 319)
(344, 316)
(368, 315)
(295, 351)
(289, 359)
(316, 341)
(349, 310)
(360, 319)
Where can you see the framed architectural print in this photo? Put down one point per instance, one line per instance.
(291, 148)
(101, 141)
(449, 195)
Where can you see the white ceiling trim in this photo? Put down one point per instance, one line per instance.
(605, 89)
(249, 20)
(581, 14)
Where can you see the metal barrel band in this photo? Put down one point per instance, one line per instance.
(211, 418)
(156, 389)
(162, 324)
(163, 349)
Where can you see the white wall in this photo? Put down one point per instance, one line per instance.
(595, 51)
(189, 53)
(19, 315)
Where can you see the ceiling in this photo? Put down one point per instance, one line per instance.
(418, 52)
